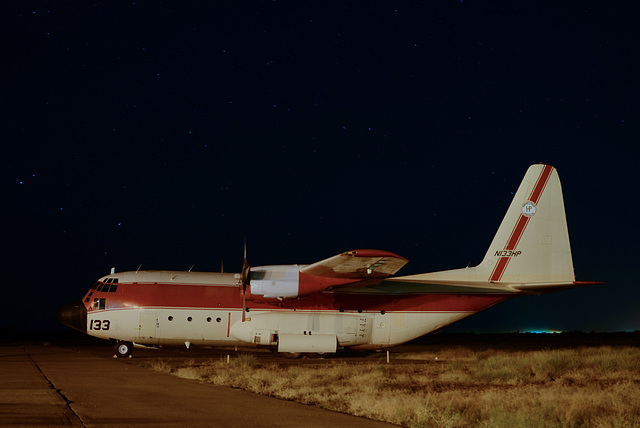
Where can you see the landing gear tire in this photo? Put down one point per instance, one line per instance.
(124, 349)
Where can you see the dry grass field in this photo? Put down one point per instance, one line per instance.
(457, 387)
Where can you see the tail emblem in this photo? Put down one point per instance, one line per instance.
(529, 209)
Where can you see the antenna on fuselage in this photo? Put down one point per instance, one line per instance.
(190, 268)
(137, 270)
(113, 270)
(222, 265)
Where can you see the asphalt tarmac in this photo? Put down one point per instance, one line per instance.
(50, 386)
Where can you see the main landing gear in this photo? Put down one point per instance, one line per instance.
(123, 349)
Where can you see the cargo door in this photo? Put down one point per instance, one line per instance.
(381, 329)
(148, 325)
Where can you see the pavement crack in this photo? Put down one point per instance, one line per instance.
(64, 397)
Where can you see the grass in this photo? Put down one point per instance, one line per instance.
(581, 387)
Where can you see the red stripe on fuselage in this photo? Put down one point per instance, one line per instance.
(521, 224)
(132, 295)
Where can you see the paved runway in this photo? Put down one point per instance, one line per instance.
(53, 386)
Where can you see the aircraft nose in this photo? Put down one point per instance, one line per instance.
(74, 315)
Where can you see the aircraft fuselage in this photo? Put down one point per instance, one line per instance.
(170, 308)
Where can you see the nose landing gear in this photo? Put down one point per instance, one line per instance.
(123, 349)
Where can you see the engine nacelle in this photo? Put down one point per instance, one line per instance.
(286, 282)
(276, 282)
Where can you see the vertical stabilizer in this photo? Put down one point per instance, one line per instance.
(532, 242)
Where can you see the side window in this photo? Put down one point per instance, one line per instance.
(99, 303)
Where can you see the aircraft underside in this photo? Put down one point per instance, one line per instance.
(286, 331)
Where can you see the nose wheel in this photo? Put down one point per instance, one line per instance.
(123, 349)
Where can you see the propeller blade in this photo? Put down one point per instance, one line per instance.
(244, 307)
(245, 280)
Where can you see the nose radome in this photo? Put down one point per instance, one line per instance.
(74, 315)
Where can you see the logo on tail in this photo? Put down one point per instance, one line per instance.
(529, 209)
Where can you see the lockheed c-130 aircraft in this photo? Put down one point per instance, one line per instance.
(346, 301)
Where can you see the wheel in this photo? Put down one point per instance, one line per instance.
(123, 349)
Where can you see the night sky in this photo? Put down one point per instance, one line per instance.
(160, 133)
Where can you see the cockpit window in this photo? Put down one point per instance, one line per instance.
(99, 303)
(109, 286)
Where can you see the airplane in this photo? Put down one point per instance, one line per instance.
(348, 301)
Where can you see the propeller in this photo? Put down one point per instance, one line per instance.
(244, 279)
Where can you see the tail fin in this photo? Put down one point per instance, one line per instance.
(532, 243)
(531, 249)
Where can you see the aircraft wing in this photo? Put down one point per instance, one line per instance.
(357, 264)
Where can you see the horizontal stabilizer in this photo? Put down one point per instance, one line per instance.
(551, 287)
